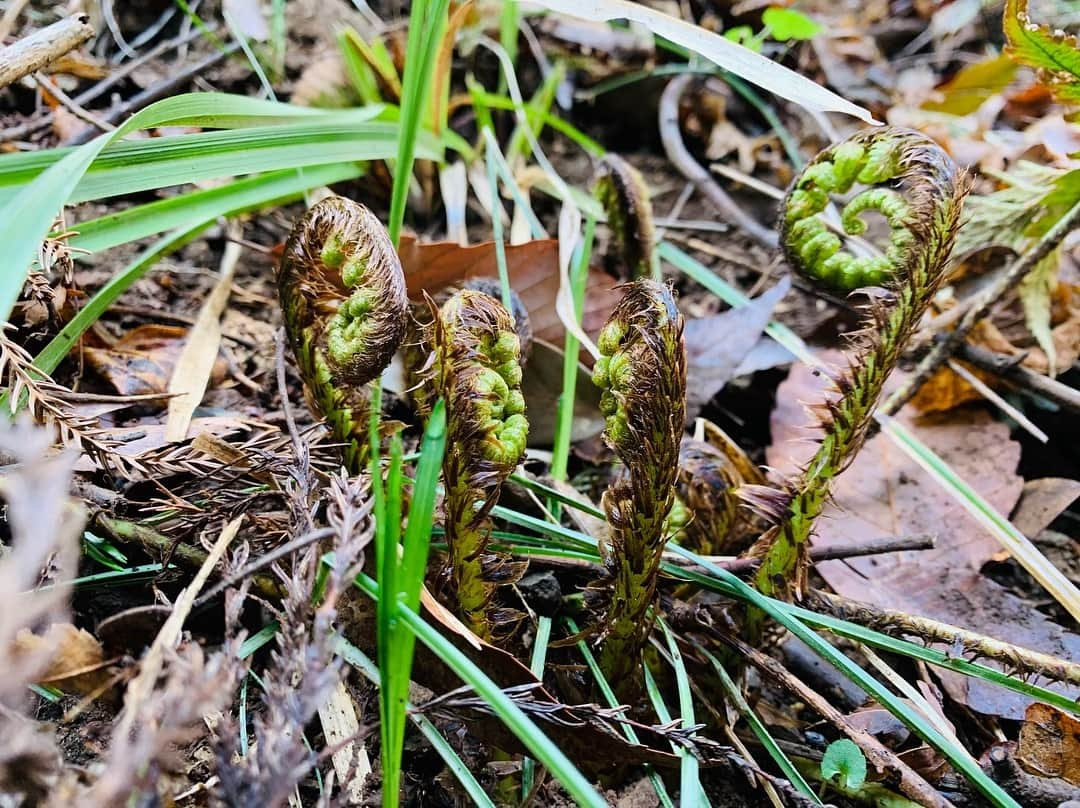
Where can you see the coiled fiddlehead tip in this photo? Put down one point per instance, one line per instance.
(341, 284)
(480, 377)
(708, 484)
(642, 374)
(621, 190)
(910, 181)
(522, 322)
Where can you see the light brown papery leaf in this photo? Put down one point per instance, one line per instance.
(533, 268)
(323, 83)
(75, 660)
(883, 492)
(1043, 501)
(1050, 743)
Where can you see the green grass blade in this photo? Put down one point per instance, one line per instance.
(536, 665)
(538, 744)
(359, 660)
(426, 19)
(689, 771)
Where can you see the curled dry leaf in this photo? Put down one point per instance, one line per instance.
(1050, 743)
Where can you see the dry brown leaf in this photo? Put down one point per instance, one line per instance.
(883, 492)
(1050, 743)
(947, 390)
(1043, 501)
(533, 268)
(142, 360)
(75, 661)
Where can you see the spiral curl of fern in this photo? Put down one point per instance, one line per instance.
(343, 295)
(621, 190)
(642, 373)
(478, 374)
(919, 190)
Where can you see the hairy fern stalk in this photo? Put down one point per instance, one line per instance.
(343, 295)
(917, 188)
(642, 373)
(478, 374)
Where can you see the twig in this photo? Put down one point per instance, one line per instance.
(987, 392)
(1028, 381)
(910, 783)
(158, 545)
(680, 156)
(948, 342)
(154, 93)
(70, 105)
(883, 544)
(11, 13)
(33, 52)
(100, 88)
(1022, 661)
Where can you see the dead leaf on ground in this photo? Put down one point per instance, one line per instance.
(72, 658)
(716, 345)
(1042, 501)
(533, 268)
(143, 359)
(883, 492)
(542, 386)
(1050, 743)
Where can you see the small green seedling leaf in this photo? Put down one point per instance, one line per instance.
(844, 765)
(786, 25)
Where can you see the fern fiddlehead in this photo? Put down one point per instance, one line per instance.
(621, 190)
(343, 295)
(642, 373)
(919, 191)
(478, 374)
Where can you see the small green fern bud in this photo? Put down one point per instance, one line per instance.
(642, 374)
(343, 295)
(478, 374)
(621, 190)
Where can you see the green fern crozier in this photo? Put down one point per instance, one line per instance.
(918, 189)
(478, 374)
(343, 295)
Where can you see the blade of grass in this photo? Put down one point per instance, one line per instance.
(689, 772)
(426, 20)
(536, 665)
(609, 697)
(538, 744)
(359, 660)
(782, 761)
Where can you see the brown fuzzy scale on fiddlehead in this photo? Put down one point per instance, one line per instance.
(478, 374)
(621, 190)
(921, 193)
(342, 292)
(642, 373)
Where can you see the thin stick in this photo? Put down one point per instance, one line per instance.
(950, 341)
(1021, 661)
(910, 783)
(33, 52)
(987, 392)
(680, 156)
(1027, 381)
(70, 105)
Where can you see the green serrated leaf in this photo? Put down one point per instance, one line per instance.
(843, 759)
(786, 24)
(1054, 53)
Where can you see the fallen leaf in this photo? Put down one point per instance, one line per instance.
(73, 660)
(142, 360)
(716, 345)
(1042, 501)
(248, 17)
(883, 492)
(533, 268)
(1049, 743)
(323, 83)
